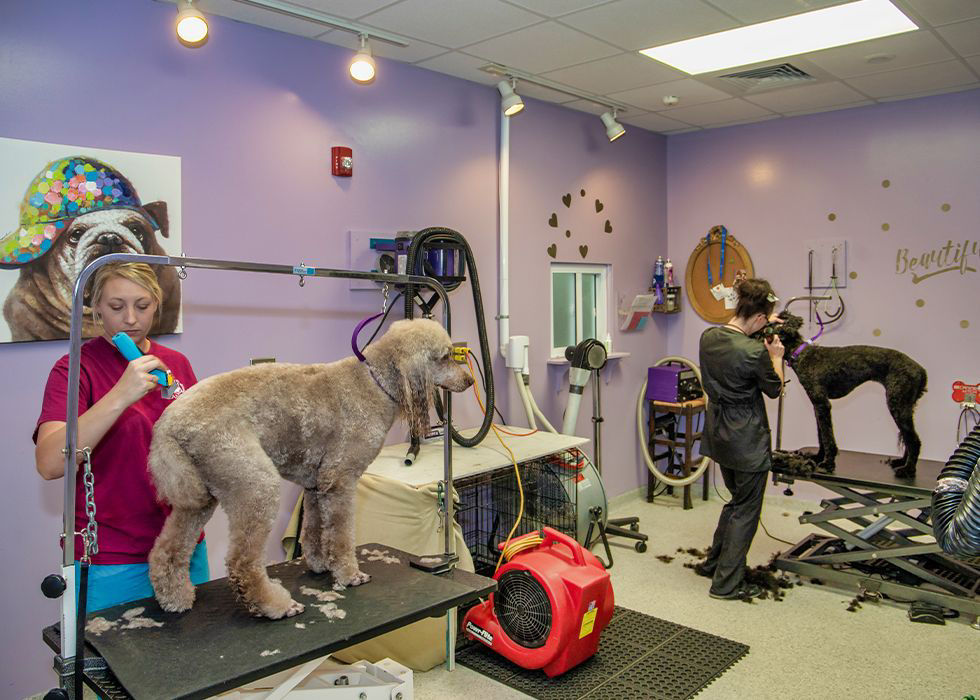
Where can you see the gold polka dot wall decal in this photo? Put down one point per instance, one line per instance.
(964, 323)
(920, 302)
(876, 332)
(831, 216)
(568, 234)
(853, 275)
(945, 207)
(885, 227)
(886, 183)
(582, 192)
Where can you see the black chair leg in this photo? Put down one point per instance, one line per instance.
(628, 527)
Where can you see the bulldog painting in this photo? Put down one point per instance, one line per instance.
(76, 210)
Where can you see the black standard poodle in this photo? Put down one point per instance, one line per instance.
(833, 372)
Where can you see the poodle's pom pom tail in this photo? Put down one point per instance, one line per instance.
(176, 479)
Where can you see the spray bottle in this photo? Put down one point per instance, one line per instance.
(669, 272)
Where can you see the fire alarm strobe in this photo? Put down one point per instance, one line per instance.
(342, 161)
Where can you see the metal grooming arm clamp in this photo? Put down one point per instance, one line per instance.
(779, 418)
(68, 640)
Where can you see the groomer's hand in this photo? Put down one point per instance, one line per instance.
(775, 348)
(136, 381)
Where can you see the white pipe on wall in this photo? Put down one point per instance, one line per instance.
(503, 201)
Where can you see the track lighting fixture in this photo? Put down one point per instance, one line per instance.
(192, 28)
(362, 68)
(613, 128)
(510, 102)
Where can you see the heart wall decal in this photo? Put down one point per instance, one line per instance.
(553, 221)
(583, 250)
(598, 206)
(608, 228)
(566, 199)
(553, 250)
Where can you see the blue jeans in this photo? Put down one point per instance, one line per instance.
(112, 584)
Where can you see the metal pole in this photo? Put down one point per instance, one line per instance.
(74, 370)
(782, 392)
(596, 421)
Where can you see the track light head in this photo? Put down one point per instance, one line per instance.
(362, 68)
(613, 128)
(192, 28)
(510, 102)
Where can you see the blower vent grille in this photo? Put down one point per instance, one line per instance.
(767, 78)
(523, 609)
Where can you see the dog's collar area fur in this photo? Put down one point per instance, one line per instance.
(370, 369)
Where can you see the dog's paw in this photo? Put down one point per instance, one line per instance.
(177, 599)
(905, 472)
(315, 564)
(826, 466)
(356, 579)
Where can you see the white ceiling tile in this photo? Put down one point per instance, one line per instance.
(259, 17)
(723, 112)
(930, 93)
(348, 9)
(807, 97)
(616, 73)
(462, 66)
(912, 49)
(415, 51)
(937, 76)
(685, 130)
(654, 122)
(818, 110)
(974, 62)
(690, 92)
(964, 37)
(452, 23)
(754, 11)
(640, 24)
(556, 8)
(938, 12)
(543, 47)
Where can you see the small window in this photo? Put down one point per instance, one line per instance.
(578, 304)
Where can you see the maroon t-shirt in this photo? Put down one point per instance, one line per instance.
(127, 512)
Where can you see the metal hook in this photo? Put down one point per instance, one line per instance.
(182, 272)
(384, 302)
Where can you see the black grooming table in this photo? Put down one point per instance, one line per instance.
(639, 656)
(865, 469)
(217, 645)
(880, 537)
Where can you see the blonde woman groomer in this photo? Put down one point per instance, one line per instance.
(118, 403)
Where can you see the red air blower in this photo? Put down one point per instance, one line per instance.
(551, 604)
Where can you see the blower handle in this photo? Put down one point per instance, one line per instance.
(551, 537)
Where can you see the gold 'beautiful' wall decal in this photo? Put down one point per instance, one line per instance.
(952, 257)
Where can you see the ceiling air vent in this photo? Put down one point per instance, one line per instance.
(767, 78)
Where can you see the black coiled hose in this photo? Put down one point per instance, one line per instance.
(416, 257)
(956, 500)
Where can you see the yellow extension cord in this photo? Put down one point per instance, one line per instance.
(530, 541)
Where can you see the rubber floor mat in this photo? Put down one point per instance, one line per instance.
(639, 656)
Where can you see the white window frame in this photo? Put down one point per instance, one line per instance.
(601, 300)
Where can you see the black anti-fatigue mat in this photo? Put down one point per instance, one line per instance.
(217, 645)
(639, 656)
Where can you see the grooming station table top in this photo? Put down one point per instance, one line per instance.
(217, 646)
(865, 470)
(486, 456)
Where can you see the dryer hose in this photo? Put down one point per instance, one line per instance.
(956, 500)
(642, 436)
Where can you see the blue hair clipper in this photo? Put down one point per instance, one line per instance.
(127, 348)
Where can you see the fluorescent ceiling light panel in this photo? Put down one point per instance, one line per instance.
(787, 36)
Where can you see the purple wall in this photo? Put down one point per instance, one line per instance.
(774, 184)
(253, 115)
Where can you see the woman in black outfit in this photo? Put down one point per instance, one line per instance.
(736, 370)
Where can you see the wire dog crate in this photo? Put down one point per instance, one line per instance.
(489, 503)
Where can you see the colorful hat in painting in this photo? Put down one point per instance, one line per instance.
(64, 189)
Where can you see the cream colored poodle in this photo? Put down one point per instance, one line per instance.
(231, 437)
